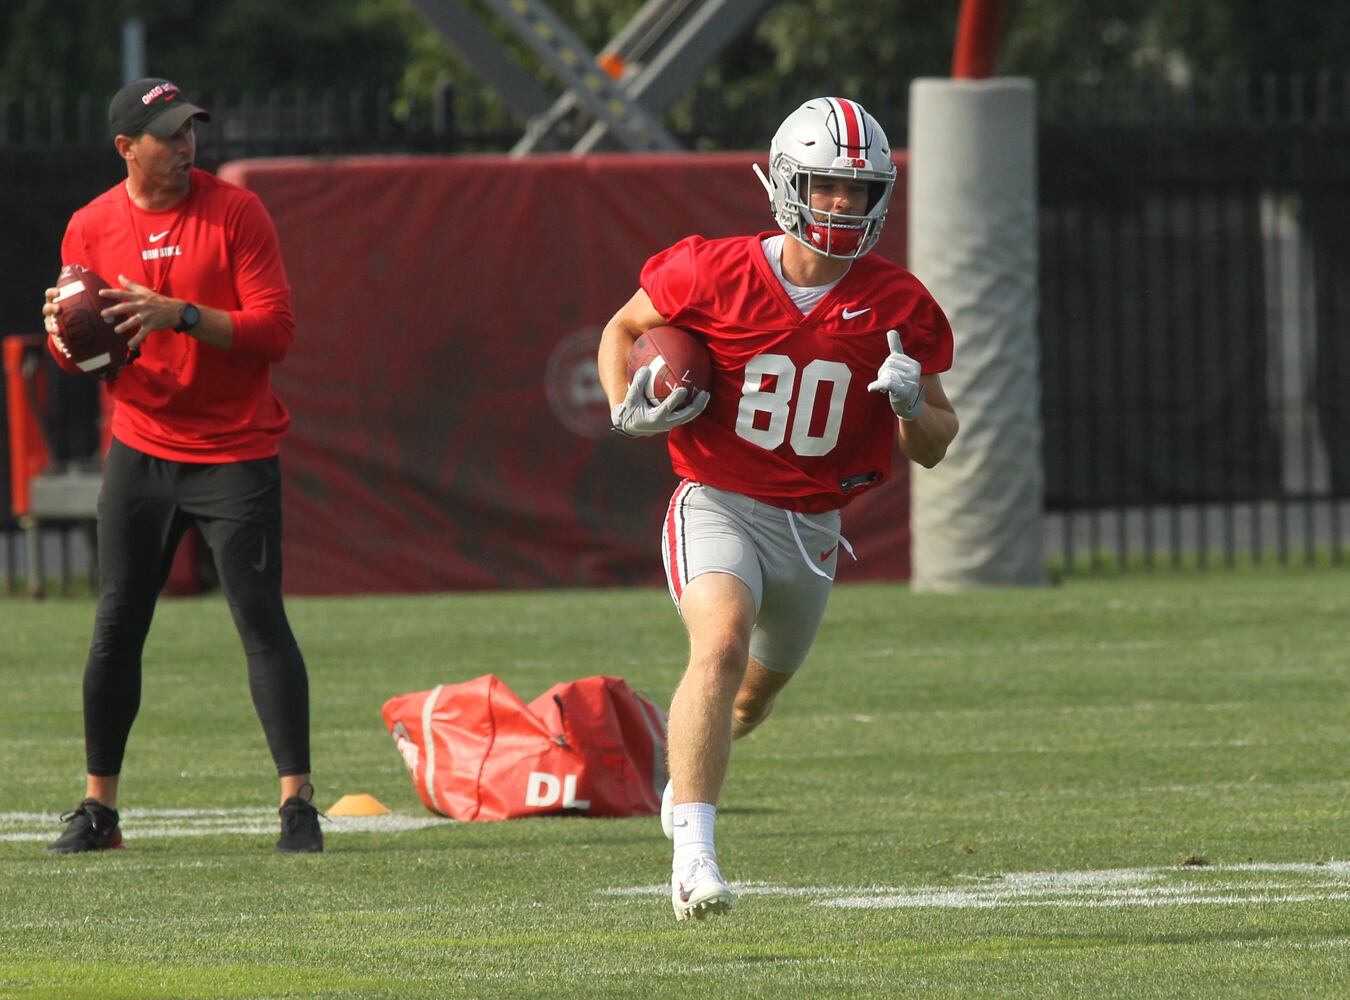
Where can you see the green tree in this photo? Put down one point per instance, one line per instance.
(1174, 40)
(243, 46)
(797, 47)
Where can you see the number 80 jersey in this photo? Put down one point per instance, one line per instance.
(790, 421)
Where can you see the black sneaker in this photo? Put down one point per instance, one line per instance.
(92, 826)
(300, 833)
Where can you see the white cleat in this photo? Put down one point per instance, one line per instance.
(668, 811)
(699, 890)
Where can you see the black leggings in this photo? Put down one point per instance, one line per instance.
(145, 507)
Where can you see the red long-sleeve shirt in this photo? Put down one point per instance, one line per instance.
(183, 399)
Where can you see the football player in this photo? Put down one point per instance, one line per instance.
(821, 353)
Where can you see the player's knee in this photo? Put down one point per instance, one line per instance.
(744, 725)
(748, 712)
(724, 660)
(722, 649)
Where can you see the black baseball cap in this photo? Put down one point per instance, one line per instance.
(151, 104)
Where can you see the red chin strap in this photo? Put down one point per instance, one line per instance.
(835, 238)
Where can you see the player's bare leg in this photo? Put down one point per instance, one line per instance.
(718, 611)
(754, 700)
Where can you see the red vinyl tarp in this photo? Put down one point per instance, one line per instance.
(475, 751)
(449, 428)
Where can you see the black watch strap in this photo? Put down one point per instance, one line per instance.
(188, 318)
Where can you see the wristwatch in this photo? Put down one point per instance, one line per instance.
(188, 318)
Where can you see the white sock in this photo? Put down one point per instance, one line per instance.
(694, 831)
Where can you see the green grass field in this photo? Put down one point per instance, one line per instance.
(1133, 787)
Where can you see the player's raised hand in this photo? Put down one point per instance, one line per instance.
(636, 416)
(898, 377)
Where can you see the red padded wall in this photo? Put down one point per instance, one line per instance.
(449, 431)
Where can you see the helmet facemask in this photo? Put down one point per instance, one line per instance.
(836, 234)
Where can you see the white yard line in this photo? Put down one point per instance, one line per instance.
(964, 901)
(1213, 885)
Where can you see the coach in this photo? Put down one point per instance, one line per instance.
(200, 290)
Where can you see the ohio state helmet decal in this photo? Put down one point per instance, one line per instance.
(849, 125)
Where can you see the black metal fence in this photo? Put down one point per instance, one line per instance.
(1194, 282)
(295, 123)
(1195, 248)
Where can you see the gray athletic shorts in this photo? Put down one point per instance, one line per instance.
(787, 560)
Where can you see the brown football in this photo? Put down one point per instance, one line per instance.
(87, 339)
(677, 357)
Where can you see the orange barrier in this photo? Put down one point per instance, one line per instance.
(24, 388)
(27, 395)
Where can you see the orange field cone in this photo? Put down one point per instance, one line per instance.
(358, 805)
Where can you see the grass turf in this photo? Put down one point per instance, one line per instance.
(1168, 753)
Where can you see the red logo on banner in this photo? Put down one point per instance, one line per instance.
(572, 381)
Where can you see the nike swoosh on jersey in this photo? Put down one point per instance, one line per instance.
(828, 552)
(854, 313)
(156, 237)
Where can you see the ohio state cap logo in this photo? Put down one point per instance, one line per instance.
(168, 91)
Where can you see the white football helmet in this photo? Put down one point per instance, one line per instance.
(829, 137)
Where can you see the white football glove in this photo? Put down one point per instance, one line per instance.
(898, 377)
(635, 417)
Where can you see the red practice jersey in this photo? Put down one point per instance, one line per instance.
(182, 399)
(790, 421)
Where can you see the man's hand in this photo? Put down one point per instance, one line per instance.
(49, 311)
(635, 417)
(139, 311)
(898, 377)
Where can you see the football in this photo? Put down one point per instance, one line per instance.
(89, 341)
(677, 359)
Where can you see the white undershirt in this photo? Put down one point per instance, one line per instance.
(804, 296)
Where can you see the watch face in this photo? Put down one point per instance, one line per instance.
(189, 318)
